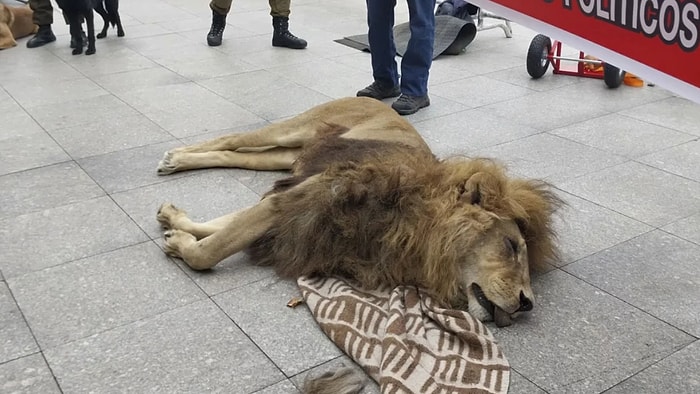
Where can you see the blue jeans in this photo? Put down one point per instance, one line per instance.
(415, 63)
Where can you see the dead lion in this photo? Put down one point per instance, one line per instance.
(368, 200)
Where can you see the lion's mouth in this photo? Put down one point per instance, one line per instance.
(500, 317)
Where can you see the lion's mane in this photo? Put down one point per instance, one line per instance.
(388, 213)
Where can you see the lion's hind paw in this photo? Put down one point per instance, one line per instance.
(167, 165)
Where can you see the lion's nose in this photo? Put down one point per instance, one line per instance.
(525, 303)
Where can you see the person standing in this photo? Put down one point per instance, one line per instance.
(412, 85)
(279, 10)
(43, 17)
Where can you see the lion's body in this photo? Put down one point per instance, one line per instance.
(368, 200)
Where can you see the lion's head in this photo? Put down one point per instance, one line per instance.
(500, 228)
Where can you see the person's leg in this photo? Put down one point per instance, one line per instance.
(219, 10)
(43, 17)
(415, 63)
(281, 36)
(380, 20)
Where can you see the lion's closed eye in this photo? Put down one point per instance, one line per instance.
(511, 246)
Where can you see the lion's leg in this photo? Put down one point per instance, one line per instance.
(173, 218)
(247, 226)
(267, 160)
(291, 133)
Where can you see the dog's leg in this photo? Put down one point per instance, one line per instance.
(90, 21)
(268, 160)
(74, 26)
(113, 10)
(99, 8)
(244, 228)
(171, 217)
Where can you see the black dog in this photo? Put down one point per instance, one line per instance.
(109, 11)
(75, 11)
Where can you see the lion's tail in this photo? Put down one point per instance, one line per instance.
(345, 380)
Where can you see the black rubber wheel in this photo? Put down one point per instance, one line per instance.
(538, 56)
(612, 75)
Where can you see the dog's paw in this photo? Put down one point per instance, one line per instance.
(120, 33)
(101, 35)
(167, 213)
(167, 165)
(90, 51)
(78, 50)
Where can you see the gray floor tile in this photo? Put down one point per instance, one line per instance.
(284, 386)
(677, 373)
(231, 273)
(439, 106)
(640, 192)
(551, 158)
(519, 76)
(265, 94)
(28, 151)
(17, 340)
(110, 135)
(187, 104)
(194, 349)
(478, 91)
(686, 228)
(573, 338)
(371, 387)
(473, 129)
(42, 65)
(130, 168)
(27, 375)
(593, 93)
(683, 160)
(290, 337)
(325, 76)
(139, 79)
(101, 292)
(622, 135)
(195, 68)
(655, 272)
(45, 187)
(62, 234)
(674, 112)
(16, 122)
(584, 228)
(520, 385)
(258, 181)
(113, 57)
(561, 110)
(29, 95)
(209, 194)
(80, 112)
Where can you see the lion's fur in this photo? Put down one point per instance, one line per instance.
(367, 199)
(394, 215)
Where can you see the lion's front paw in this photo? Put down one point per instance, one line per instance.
(168, 164)
(168, 214)
(176, 241)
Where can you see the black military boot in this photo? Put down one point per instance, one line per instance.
(282, 37)
(43, 36)
(216, 33)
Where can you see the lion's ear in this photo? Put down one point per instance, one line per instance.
(533, 205)
(483, 189)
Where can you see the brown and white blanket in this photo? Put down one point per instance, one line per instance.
(405, 341)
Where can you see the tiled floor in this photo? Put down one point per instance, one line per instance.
(89, 303)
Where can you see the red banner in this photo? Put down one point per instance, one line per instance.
(655, 39)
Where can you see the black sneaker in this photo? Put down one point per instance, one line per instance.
(407, 105)
(379, 91)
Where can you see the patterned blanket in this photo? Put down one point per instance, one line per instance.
(405, 341)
